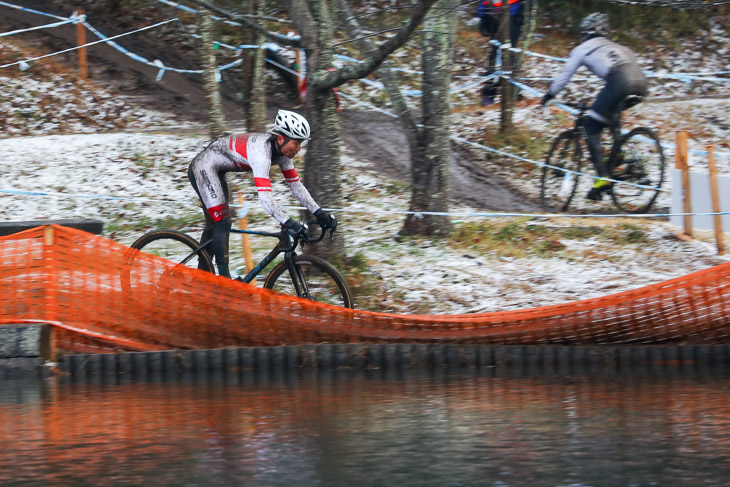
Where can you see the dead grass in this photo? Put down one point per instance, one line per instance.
(526, 237)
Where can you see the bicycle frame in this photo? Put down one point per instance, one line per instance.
(635, 173)
(286, 246)
(614, 128)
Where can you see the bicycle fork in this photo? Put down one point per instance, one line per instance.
(297, 276)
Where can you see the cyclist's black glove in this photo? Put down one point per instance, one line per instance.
(546, 98)
(326, 220)
(296, 229)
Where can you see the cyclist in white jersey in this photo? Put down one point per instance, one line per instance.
(254, 152)
(617, 66)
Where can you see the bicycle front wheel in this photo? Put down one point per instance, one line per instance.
(638, 164)
(176, 247)
(561, 174)
(323, 282)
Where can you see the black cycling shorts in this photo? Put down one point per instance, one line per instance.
(623, 81)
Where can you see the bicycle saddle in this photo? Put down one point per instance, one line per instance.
(632, 100)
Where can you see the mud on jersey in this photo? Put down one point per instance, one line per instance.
(241, 153)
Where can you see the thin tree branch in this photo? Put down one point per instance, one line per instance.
(677, 4)
(389, 79)
(281, 38)
(376, 12)
(267, 17)
(330, 79)
(365, 36)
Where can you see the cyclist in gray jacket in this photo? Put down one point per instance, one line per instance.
(617, 66)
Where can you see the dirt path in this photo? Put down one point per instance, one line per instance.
(378, 139)
(367, 135)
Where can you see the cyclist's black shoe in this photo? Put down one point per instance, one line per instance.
(596, 192)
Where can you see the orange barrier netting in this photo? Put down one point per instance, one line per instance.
(80, 284)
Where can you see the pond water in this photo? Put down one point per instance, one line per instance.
(369, 429)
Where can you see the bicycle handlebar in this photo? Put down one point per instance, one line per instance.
(307, 239)
(323, 232)
(578, 106)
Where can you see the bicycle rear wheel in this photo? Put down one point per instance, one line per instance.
(640, 165)
(561, 174)
(325, 283)
(174, 246)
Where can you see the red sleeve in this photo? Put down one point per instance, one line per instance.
(262, 184)
(290, 175)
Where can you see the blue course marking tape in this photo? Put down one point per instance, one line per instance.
(88, 44)
(47, 26)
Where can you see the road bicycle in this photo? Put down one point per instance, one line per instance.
(305, 276)
(635, 163)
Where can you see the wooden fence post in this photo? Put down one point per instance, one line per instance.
(715, 200)
(80, 41)
(51, 284)
(681, 163)
(243, 223)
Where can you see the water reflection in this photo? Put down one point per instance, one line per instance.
(369, 429)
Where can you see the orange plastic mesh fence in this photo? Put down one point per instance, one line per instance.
(82, 284)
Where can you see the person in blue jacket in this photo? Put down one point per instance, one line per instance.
(488, 12)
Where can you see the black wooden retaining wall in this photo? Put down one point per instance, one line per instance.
(87, 225)
(551, 359)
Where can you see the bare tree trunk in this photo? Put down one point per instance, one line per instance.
(508, 103)
(253, 74)
(322, 161)
(216, 120)
(431, 164)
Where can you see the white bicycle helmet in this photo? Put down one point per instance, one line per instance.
(291, 124)
(594, 25)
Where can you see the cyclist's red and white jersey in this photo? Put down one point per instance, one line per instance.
(599, 55)
(240, 153)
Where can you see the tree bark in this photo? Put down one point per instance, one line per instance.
(507, 105)
(216, 120)
(253, 74)
(431, 164)
(322, 160)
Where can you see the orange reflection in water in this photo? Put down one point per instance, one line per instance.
(219, 431)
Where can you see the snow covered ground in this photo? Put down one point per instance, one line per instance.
(137, 181)
(76, 151)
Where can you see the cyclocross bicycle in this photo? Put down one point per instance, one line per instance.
(636, 166)
(305, 276)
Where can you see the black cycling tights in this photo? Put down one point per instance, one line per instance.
(218, 231)
(593, 134)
